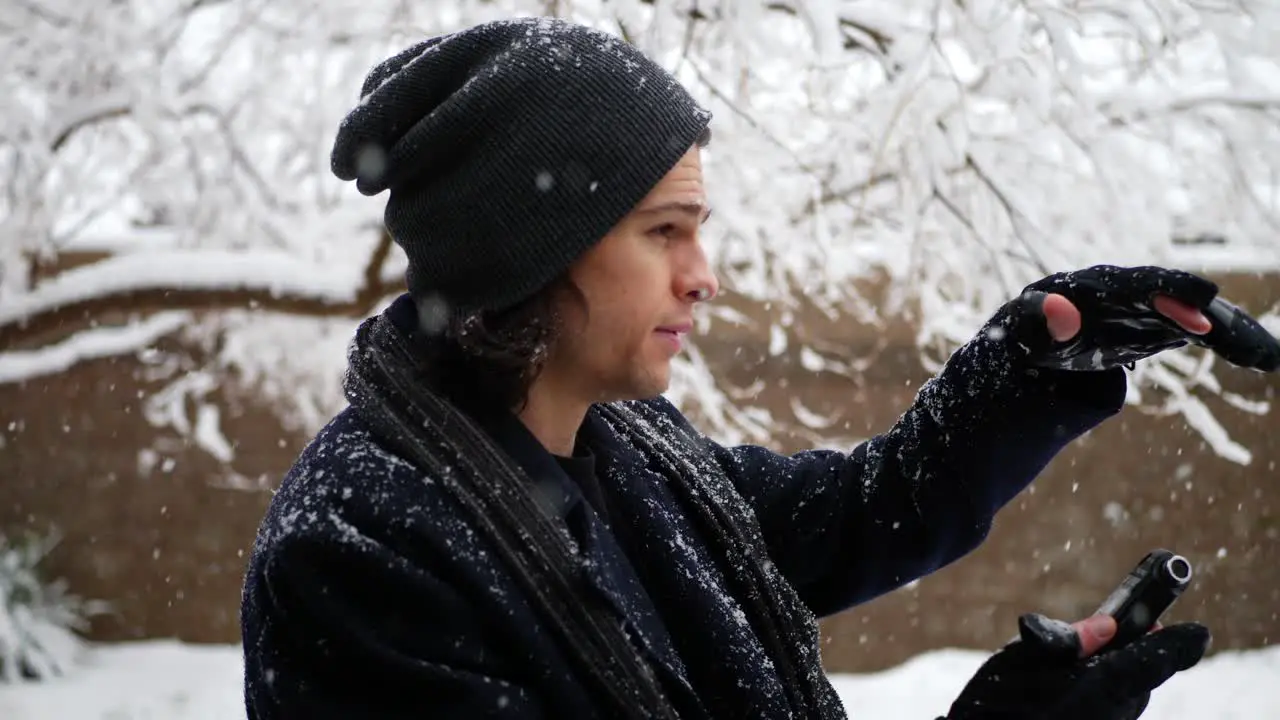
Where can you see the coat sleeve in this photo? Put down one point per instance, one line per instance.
(357, 631)
(848, 527)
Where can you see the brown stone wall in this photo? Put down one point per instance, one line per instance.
(165, 541)
(164, 545)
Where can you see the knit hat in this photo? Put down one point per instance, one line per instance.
(509, 149)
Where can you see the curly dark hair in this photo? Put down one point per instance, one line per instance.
(489, 359)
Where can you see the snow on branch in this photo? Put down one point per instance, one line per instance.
(96, 109)
(20, 365)
(1127, 108)
(980, 146)
(960, 149)
(274, 272)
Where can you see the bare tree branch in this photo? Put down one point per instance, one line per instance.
(247, 19)
(109, 111)
(238, 156)
(964, 220)
(1257, 103)
(1243, 186)
(43, 12)
(846, 194)
(746, 116)
(1015, 215)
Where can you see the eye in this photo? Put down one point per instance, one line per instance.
(665, 230)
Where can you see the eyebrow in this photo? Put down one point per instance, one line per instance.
(693, 208)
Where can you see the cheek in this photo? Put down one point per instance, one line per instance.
(615, 338)
(624, 288)
(618, 326)
(616, 302)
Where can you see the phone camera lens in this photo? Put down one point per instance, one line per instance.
(1179, 568)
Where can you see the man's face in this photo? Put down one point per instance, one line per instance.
(640, 284)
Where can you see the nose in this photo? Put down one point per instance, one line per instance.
(695, 280)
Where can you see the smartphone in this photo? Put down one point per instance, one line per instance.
(1145, 594)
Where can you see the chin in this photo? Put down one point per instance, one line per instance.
(647, 393)
(645, 387)
(658, 382)
(653, 392)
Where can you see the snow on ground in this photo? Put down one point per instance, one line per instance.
(165, 680)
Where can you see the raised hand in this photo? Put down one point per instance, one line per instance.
(1106, 316)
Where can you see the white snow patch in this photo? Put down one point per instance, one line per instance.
(1244, 404)
(208, 433)
(169, 407)
(1201, 418)
(777, 340)
(1197, 415)
(175, 681)
(295, 363)
(1227, 685)
(1231, 257)
(1271, 321)
(19, 365)
(811, 419)
(161, 679)
(276, 272)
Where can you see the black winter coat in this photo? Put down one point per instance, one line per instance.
(368, 595)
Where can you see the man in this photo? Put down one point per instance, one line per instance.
(510, 522)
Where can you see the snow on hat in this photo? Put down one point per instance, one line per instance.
(509, 149)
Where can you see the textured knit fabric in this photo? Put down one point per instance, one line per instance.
(509, 149)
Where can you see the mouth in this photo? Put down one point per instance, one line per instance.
(678, 329)
(674, 334)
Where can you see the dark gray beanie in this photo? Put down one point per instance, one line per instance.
(511, 148)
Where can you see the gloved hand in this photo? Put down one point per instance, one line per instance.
(1127, 314)
(1050, 673)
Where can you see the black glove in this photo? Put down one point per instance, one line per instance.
(1120, 325)
(1041, 676)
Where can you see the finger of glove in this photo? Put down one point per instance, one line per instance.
(1021, 324)
(1187, 287)
(1239, 339)
(1148, 662)
(1100, 297)
(1119, 324)
(1090, 282)
(1129, 285)
(1048, 637)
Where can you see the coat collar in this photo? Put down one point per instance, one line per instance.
(605, 564)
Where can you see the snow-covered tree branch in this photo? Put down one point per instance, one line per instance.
(958, 148)
(968, 148)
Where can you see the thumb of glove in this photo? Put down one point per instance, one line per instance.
(1049, 637)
